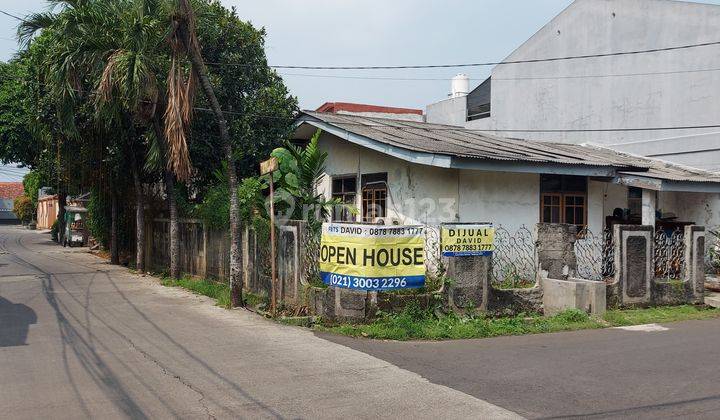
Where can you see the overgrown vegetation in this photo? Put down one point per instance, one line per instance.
(414, 323)
(24, 209)
(219, 291)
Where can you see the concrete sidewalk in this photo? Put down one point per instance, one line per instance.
(80, 338)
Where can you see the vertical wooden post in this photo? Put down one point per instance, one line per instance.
(268, 167)
(273, 275)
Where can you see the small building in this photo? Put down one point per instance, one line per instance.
(9, 191)
(48, 209)
(405, 172)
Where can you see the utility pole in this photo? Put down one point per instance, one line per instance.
(268, 167)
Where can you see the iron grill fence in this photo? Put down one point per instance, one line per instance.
(514, 262)
(712, 250)
(669, 255)
(595, 254)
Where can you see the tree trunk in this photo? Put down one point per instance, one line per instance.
(62, 202)
(174, 230)
(114, 251)
(139, 215)
(169, 179)
(198, 66)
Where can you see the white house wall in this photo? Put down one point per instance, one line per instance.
(508, 199)
(417, 193)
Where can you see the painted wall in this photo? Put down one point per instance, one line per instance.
(507, 199)
(425, 194)
(556, 95)
(451, 111)
(417, 193)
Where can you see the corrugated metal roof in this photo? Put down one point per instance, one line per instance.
(457, 141)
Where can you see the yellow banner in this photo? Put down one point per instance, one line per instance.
(371, 257)
(462, 240)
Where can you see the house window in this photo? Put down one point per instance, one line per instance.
(635, 203)
(345, 190)
(374, 197)
(563, 199)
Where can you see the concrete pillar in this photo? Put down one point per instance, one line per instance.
(649, 206)
(695, 261)
(556, 250)
(472, 281)
(634, 248)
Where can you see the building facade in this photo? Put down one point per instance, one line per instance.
(399, 172)
(650, 95)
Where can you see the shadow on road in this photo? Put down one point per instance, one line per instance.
(15, 321)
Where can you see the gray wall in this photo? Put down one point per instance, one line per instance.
(452, 111)
(531, 96)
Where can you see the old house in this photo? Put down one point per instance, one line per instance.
(405, 172)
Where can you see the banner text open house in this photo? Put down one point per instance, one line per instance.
(372, 258)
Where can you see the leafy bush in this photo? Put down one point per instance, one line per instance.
(54, 231)
(32, 182)
(24, 209)
(98, 222)
(215, 208)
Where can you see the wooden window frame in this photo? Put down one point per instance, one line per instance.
(371, 202)
(343, 194)
(563, 195)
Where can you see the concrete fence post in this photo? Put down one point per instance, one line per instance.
(556, 250)
(695, 261)
(471, 285)
(634, 269)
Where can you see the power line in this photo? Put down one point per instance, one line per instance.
(580, 76)
(12, 15)
(406, 127)
(458, 65)
(493, 63)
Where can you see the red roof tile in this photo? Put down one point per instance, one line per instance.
(11, 190)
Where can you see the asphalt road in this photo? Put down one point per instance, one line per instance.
(82, 339)
(611, 373)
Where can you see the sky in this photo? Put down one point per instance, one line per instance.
(372, 32)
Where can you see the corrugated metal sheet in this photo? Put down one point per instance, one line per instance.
(460, 142)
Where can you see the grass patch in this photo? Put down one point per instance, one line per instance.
(414, 323)
(660, 314)
(218, 291)
(214, 289)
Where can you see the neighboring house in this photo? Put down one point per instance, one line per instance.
(9, 191)
(48, 209)
(676, 88)
(372, 111)
(404, 172)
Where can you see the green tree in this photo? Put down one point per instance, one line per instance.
(23, 209)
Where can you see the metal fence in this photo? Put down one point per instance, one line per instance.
(712, 250)
(514, 262)
(669, 256)
(595, 254)
(433, 252)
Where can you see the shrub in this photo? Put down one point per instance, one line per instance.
(54, 231)
(24, 209)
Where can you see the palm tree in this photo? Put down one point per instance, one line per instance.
(122, 44)
(184, 42)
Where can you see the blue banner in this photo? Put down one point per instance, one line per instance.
(372, 284)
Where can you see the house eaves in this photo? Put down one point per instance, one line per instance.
(456, 147)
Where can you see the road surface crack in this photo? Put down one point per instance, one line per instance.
(178, 378)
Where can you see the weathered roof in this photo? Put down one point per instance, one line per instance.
(459, 142)
(11, 190)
